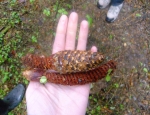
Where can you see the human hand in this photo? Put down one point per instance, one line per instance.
(52, 99)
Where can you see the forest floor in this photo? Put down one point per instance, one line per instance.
(127, 41)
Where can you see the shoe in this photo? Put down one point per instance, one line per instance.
(3, 108)
(113, 12)
(13, 98)
(103, 3)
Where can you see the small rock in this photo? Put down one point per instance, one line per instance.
(125, 44)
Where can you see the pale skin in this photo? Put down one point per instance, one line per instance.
(54, 99)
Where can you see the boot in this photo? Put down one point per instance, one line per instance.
(12, 99)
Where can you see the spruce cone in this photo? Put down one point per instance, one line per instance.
(79, 78)
(66, 61)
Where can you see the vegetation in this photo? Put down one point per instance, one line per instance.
(19, 36)
(30, 28)
(11, 44)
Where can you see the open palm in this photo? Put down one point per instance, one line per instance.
(52, 99)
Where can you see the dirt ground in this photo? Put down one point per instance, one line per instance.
(127, 41)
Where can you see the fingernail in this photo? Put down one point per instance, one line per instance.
(74, 17)
(84, 24)
(63, 20)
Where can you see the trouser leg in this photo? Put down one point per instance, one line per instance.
(116, 2)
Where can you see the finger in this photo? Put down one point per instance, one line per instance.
(83, 35)
(59, 42)
(71, 31)
(94, 49)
